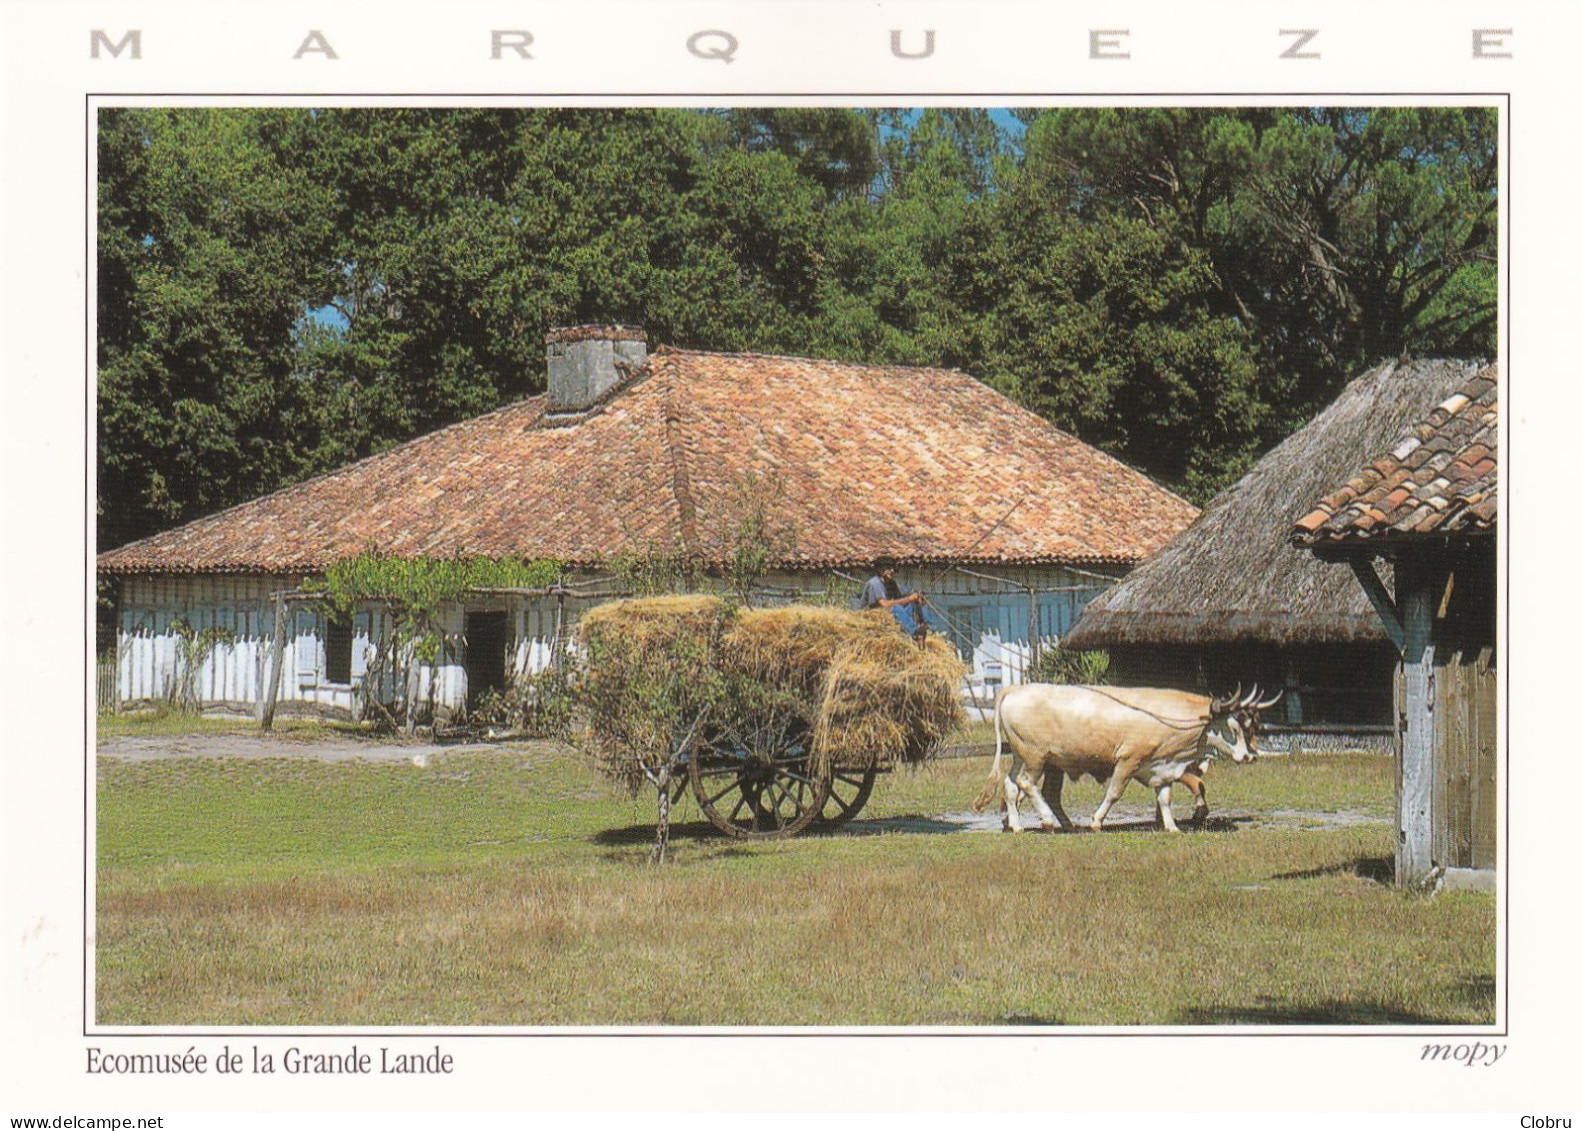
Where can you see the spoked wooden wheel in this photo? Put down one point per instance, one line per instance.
(760, 785)
(848, 793)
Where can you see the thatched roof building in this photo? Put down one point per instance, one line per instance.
(1232, 599)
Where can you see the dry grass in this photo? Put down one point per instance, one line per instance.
(879, 698)
(510, 888)
(654, 623)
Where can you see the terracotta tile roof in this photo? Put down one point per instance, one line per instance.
(1441, 477)
(874, 460)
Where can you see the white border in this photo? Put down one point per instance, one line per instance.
(1016, 48)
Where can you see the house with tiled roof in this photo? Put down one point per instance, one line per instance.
(1008, 523)
(1418, 528)
(1232, 600)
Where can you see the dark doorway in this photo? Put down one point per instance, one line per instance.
(486, 637)
(338, 650)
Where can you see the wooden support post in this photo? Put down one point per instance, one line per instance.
(277, 658)
(260, 664)
(1414, 803)
(410, 673)
(1389, 611)
(1033, 643)
(557, 647)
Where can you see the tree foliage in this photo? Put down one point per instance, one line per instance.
(282, 291)
(210, 244)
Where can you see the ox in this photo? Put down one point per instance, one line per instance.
(1155, 735)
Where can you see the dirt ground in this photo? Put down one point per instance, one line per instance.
(1125, 816)
(143, 748)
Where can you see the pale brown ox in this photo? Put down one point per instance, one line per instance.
(1156, 735)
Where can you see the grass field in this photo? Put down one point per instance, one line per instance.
(511, 888)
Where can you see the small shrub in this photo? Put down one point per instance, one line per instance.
(1067, 665)
(652, 569)
(540, 705)
(758, 538)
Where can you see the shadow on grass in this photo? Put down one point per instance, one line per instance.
(1225, 823)
(1379, 869)
(644, 834)
(1479, 991)
(1321, 1013)
(907, 823)
(703, 831)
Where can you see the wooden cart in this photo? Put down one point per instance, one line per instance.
(768, 785)
(734, 698)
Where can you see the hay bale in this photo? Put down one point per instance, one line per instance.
(888, 701)
(874, 697)
(795, 645)
(866, 692)
(652, 626)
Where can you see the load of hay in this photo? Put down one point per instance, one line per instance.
(661, 671)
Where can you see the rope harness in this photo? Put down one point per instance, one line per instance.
(1174, 724)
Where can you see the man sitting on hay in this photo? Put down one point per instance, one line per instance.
(883, 591)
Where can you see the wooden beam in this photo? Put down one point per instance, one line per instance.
(1034, 645)
(1444, 602)
(1379, 597)
(1415, 801)
(277, 656)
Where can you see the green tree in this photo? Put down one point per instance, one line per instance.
(1382, 224)
(411, 333)
(832, 147)
(1338, 237)
(1101, 315)
(897, 290)
(208, 242)
(1186, 286)
(284, 291)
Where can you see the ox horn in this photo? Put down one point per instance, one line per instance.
(1267, 703)
(1218, 706)
(1252, 697)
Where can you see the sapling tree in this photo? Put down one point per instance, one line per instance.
(645, 710)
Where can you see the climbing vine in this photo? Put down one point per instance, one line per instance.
(415, 590)
(193, 648)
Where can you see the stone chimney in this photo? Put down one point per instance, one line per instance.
(587, 364)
